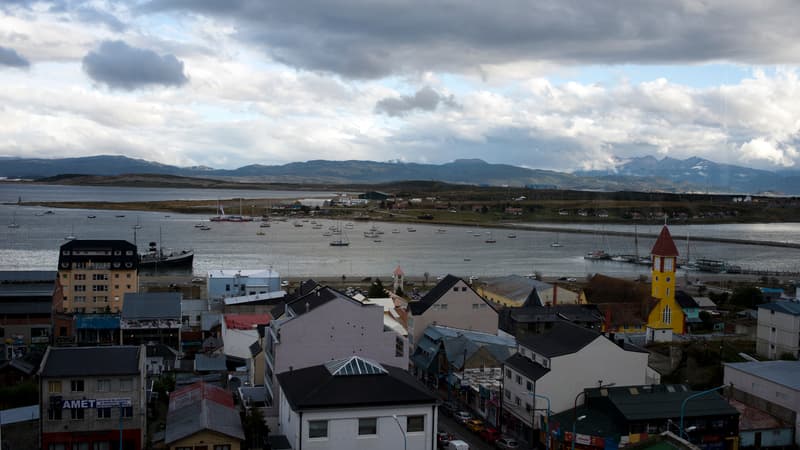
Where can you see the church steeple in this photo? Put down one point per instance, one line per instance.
(664, 254)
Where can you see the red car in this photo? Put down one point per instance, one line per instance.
(490, 435)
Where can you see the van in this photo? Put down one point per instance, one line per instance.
(457, 445)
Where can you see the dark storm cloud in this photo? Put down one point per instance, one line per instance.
(119, 65)
(373, 39)
(426, 99)
(10, 57)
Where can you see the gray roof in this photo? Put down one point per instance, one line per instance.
(90, 361)
(515, 287)
(786, 373)
(36, 308)
(209, 320)
(152, 305)
(27, 289)
(16, 415)
(201, 413)
(783, 306)
(210, 363)
(564, 338)
(28, 276)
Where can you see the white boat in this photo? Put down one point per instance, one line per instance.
(264, 225)
(14, 223)
(490, 239)
(395, 231)
(512, 236)
(556, 243)
(138, 226)
(71, 235)
(411, 229)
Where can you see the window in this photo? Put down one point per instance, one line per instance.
(127, 411)
(80, 276)
(508, 374)
(54, 387)
(666, 315)
(517, 401)
(415, 424)
(443, 306)
(527, 407)
(519, 379)
(99, 288)
(76, 414)
(125, 385)
(80, 446)
(668, 265)
(40, 332)
(367, 426)
(79, 298)
(76, 385)
(101, 446)
(184, 448)
(103, 385)
(455, 289)
(57, 446)
(103, 413)
(508, 394)
(100, 276)
(79, 288)
(399, 346)
(317, 429)
(464, 289)
(54, 412)
(476, 306)
(529, 386)
(227, 287)
(222, 447)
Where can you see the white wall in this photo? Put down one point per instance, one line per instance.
(343, 428)
(785, 338)
(570, 374)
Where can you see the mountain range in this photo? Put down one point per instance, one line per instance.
(637, 174)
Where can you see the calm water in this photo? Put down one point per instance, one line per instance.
(304, 251)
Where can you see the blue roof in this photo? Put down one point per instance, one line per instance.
(97, 321)
(780, 372)
(783, 306)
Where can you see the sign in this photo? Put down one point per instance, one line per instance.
(87, 403)
(583, 439)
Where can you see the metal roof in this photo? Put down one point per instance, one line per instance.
(200, 407)
(252, 273)
(210, 363)
(28, 276)
(783, 306)
(152, 305)
(354, 365)
(97, 321)
(90, 361)
(786, 373)
(16, 415)
(254, 298)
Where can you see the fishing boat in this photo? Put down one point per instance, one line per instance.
(597, 255)
(91, 217)
(512, 236)
(395, 231)
(205, 228)
(159, 258)
(490, 239)
(411, 229)
(297, 224)
(341, 240)
(260, 233)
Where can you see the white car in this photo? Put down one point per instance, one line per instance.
(462, 416)
(506, 443)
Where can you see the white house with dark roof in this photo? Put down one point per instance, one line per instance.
(452, 303)
(778, 330)
(560, 364)
(769, 386)
(355, 403)
(323, 324)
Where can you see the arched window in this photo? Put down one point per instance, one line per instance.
(666, 315)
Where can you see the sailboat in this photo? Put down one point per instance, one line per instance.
(222, 217)
(490, 239)
(556, 243)
(341, 240)
(138, 226)
(71, 235)
(14, 223)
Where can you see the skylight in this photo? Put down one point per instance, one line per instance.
(355, 365)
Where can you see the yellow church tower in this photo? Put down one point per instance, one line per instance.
(667, 313)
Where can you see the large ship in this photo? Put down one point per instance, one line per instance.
(158, 258)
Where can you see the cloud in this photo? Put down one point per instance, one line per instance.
(377, 39)
(119, 65)
(425, 99)
(10, 57)
(94, 15)
(760, 149)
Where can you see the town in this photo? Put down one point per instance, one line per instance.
(97, 355)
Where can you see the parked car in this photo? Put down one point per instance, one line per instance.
(474, 425)
(462, 416)
(457, 445)
(490, 435)
(448, 408)
(443, 438)
(506, 443)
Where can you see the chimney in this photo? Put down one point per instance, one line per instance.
(555, 294)
(308, 306)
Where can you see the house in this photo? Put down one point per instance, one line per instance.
(151, 317)
(667, 314)
(97, 329)
(236, 283)
(95, 275)
(453, 303)
(614, 416)
(690, 309)
(533, 319)
(778, 329)
(160, 358)
(342, 327)
(560, 364)
(772, 387)
(516, 290)
(203, 416)
(89, 396)
(355, 403)
(242, 339)
(26, 299)
(623, 303)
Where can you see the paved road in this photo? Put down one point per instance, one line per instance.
(449, 425)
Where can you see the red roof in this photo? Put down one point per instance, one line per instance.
(246, 321)
(664, 245)
(194, 393)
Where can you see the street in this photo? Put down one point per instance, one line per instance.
(460, 432)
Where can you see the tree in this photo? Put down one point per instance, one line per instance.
(255, 430)
(746, 297)
(376, 289)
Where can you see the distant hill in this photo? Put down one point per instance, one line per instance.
(706, 174)
(636, 174)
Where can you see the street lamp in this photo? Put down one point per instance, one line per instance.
(547, 424)
(405, 441)
(683, 405)
(573, 429)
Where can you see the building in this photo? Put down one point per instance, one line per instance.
(355, 403)
(96, 329)
(95, 275)
(612, 417)
(515, 291)
(342, 326)
(160, 359)
(532, 319)
(667, 314)
(152, 318)
(562, 363)
(242, 340)
(18, 426)
(623, 303)
(202, 416)
(88, 393)
(769, 386)
(237, 283)
(26, 299)
(452, 303)
(374, 195)
(778, 332)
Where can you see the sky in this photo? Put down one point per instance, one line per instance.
(552, 84)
